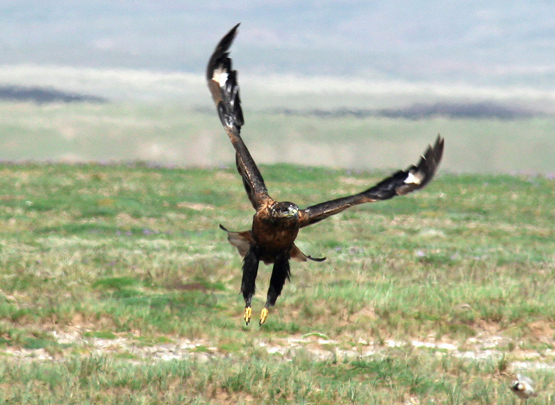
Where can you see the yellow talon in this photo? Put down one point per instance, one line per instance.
(263, 316)
(248, 314)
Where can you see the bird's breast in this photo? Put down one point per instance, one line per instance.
(274, 237)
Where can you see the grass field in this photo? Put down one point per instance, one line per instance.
(117, 287)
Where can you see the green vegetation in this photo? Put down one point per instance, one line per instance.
(185, 136)
(400, 378)
(128, 260)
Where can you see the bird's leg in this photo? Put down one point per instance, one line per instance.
(280, 273)
(248, 284)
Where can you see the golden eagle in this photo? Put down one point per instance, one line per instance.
(276, 224)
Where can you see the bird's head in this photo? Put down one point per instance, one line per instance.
(285, 210)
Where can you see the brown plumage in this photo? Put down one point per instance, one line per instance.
(276, 224)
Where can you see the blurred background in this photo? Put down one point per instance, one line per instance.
(350, 84)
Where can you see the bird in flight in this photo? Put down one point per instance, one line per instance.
(276, 224)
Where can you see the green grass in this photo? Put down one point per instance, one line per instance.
(398, 378)
(134, 252)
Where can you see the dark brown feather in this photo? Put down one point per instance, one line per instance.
(222, 82)
(274, 236)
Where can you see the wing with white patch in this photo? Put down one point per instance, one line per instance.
(222, 82)
(400, 183)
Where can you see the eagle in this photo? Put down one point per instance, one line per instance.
(276, 224)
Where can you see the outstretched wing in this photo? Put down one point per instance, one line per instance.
(400, 183)
(222, 82)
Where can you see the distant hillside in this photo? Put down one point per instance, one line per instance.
(43, 95)
(421, 110)
(458, 110)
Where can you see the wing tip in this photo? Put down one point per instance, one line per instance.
(433, 155)
(417, 177)
(227, 39)
(438, 147)
(222, 83)
(430, 161)
(221, 49)
(435, 151)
